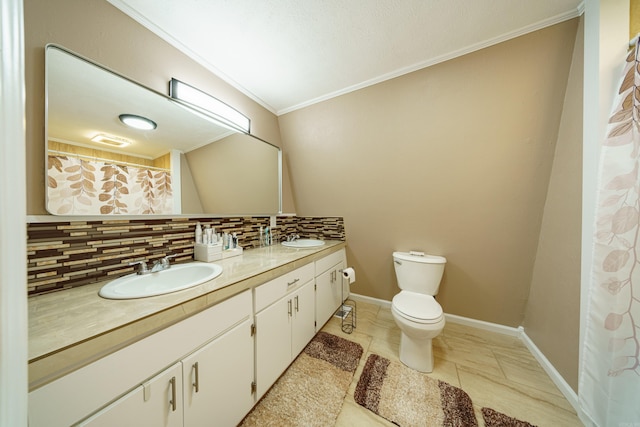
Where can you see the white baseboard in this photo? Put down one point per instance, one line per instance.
(481, 324)
(519, 332)
(364, 298)
(555, 376)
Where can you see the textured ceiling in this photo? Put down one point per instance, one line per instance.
(286, 54)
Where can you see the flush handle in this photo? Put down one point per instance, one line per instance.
(397, 262)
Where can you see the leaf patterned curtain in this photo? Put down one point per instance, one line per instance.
(78, 186)
(609, 388)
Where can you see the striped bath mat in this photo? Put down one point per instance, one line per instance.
(312, 390)
(410, 398)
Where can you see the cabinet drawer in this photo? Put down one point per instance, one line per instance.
(329, 261)
(275, 289)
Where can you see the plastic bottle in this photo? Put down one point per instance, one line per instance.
(198, 233)
(209, 235)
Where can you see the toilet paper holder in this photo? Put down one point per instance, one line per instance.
(347, 311)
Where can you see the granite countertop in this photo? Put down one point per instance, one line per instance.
(71, 328)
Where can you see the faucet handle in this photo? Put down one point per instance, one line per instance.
(165, 260)
(143, 266)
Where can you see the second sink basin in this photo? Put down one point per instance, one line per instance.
(175, 278)
(304, 243)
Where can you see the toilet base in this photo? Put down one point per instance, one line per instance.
(416, 354)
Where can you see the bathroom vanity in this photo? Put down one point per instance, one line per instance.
(181, 359)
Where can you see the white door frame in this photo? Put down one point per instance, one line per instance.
(13, 255)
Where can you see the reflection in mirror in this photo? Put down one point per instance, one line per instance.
(186, 165)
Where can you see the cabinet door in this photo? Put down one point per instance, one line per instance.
(273, 343)
(303, 328)
(217, 380)
(156, 403)
(328, 294)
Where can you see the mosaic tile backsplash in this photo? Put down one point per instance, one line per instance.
(63, 255)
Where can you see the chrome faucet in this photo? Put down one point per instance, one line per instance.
(292, 237)
(163, 264)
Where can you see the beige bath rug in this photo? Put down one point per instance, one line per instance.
(312, 390)
(410, 398)
(494, 418)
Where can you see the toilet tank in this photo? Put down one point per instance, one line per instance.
(419, 273)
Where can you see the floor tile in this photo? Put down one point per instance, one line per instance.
(526, 371)
(517, 400)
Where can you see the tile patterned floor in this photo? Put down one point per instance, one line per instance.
(496, 370)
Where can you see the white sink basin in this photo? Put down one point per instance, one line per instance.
(175, 278)
(304, 243)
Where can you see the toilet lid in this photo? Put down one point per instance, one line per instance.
(418, 307)
(420, 257)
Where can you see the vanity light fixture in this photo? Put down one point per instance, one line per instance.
(137, 122)
(113, 141)
(209, 106)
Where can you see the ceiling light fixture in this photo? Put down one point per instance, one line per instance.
(113, 141)
(137, 122)
(209, 106)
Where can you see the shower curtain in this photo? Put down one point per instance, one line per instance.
(609, 388)
(76, 186)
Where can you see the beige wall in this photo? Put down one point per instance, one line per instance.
(552, 317)
(453, 159)
(99, 31)
(634, 19)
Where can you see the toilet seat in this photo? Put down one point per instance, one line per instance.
(416, 307)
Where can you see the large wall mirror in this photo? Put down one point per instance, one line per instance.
(188, 164)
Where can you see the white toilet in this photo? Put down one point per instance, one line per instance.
(415, 310)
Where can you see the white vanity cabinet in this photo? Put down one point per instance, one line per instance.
(285, 323)
(208, 369)
(136, 382)
(330, 288)
(210, 386)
